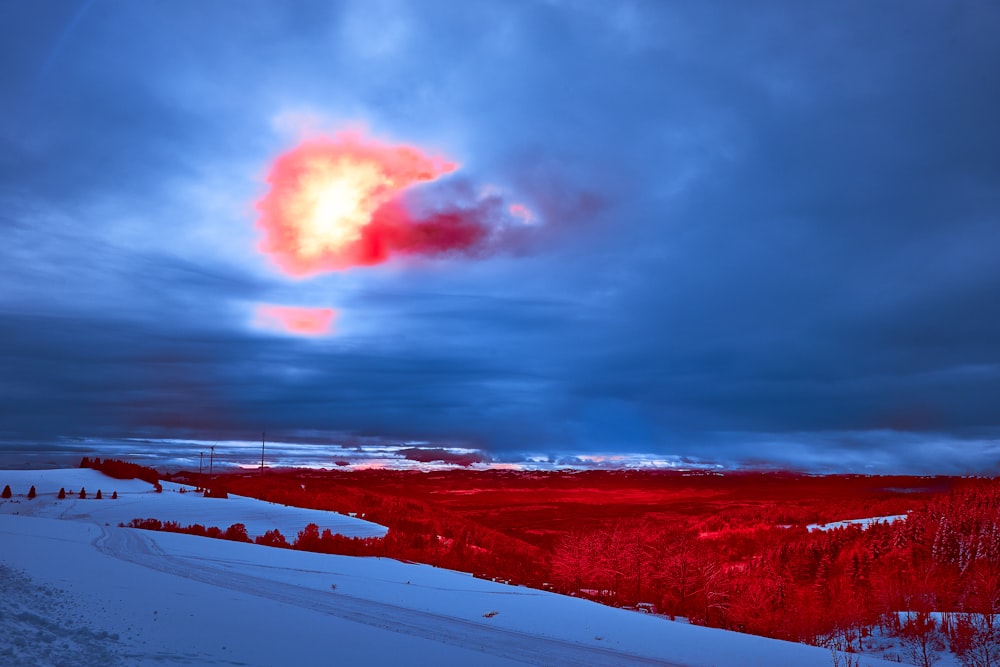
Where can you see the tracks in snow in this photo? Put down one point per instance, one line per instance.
(133, 546)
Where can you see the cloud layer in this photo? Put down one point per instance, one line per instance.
(758, 232)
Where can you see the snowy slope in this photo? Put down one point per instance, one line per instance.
(105, 595)
(137, 500)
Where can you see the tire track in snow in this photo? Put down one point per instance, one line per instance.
(132, 546)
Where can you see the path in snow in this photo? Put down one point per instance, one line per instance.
(136, 547)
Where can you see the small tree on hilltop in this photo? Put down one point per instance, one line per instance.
(114, 495)
(83, 493)
(62, 493)
(98, 496)
(6, 492)
(31, 492)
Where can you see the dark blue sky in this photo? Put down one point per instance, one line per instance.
(769, 231)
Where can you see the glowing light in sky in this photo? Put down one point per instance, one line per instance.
(338, 202)
(332, 203)
(296, 320)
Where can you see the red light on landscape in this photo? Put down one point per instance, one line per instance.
(296, 320)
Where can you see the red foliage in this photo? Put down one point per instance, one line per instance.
(727, 551)
(236, 532)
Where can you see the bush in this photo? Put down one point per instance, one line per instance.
(83, 493)
(31, 492)
(272, 538)
(114, 495)
(98, 496)
(6, 492)
(308, 539)
(237, 533)
(62, 493)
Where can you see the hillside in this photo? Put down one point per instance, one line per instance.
(101, 595)
(138, 500)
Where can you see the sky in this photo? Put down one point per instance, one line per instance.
(754, 233)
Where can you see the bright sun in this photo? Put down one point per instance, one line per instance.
(336, 200)
(325, 192)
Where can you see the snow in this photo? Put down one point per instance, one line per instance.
(137, 500)
(864, 523)
(84, 591)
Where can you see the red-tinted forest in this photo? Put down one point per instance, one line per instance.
(729, 551)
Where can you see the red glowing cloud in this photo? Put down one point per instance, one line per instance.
(295, 320)
(333, 204)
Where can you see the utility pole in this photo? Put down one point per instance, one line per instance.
(201, 463)
(211, 461)
(262, 434)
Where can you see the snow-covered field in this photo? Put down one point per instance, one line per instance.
(137, 500)
(86, 592)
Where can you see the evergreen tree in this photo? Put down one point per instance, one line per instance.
(6, 492)
(31, 492)
(83, 493)
(98, 496)
(62, 493)
(114, 495)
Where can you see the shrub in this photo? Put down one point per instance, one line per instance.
(98, 496)
(237, 533)
(62, 493)
(272, 538)
(31, 492)
(6, 492)
(83, 493)
(114, 495)
(308, 539)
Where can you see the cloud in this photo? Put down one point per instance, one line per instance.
(751, 228)
(440, 455)
(296, 320)
(346, 201)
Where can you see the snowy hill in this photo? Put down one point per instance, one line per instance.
(87, 593)
(137, 500)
